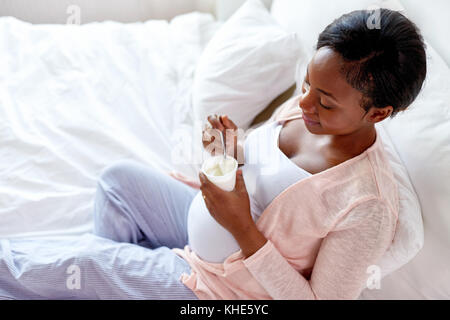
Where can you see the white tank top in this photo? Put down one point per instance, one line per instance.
(267, 171)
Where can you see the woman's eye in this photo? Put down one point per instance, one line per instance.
(306, 87)
(325, 107)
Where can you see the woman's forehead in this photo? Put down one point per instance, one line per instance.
(324, 70)
(326, 62)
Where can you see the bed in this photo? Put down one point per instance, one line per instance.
(76, 98)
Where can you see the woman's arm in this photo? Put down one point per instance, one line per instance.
(341, 267)
(250, 241)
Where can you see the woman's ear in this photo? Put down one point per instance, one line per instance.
(379, 114)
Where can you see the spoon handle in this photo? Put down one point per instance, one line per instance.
(223, 145)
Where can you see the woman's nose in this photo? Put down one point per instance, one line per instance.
(306, 103)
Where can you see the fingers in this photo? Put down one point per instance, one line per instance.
(204, 186)
(205, 183)
(216, 123)
(240, 182)
(204, 190)
(203, 178)
(207, 136)
(207, 186)
(228, 123)
(221, 122)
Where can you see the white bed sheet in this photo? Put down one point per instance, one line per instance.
(74, 99)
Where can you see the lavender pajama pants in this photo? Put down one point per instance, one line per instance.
(140, 213)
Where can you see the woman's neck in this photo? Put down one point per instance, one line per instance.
(355, 143)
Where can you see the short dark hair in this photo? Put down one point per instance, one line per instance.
(386, 62)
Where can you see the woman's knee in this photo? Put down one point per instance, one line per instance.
(110, 196)
(121, 188)
(118, 170)
(125, 174)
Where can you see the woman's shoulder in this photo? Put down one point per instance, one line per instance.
(288, 110)
(366, 176)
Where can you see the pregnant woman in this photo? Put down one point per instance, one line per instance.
(315, 203)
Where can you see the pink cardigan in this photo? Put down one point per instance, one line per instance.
(323, 234)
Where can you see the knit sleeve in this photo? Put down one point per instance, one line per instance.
(341, 269)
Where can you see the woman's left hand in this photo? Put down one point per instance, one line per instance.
(231, 209)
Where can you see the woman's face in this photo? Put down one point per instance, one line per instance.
(329, 101)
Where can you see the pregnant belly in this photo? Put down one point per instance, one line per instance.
(207, 238)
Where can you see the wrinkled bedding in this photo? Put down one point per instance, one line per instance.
(74, 99)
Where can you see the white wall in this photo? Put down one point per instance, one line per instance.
(225, 8)
(55, 11)
(432, 17)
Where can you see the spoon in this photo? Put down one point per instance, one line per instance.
(223, 145)
(223, 140)
(222, 162)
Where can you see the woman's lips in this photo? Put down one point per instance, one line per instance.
(309, 121)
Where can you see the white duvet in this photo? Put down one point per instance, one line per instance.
(74, 99)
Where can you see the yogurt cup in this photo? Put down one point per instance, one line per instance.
(213, 170)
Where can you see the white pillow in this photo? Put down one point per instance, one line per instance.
(248, 63)
(310, 17)
(421, 136)
(409, 234)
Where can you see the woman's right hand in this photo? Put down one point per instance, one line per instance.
(227, 127)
